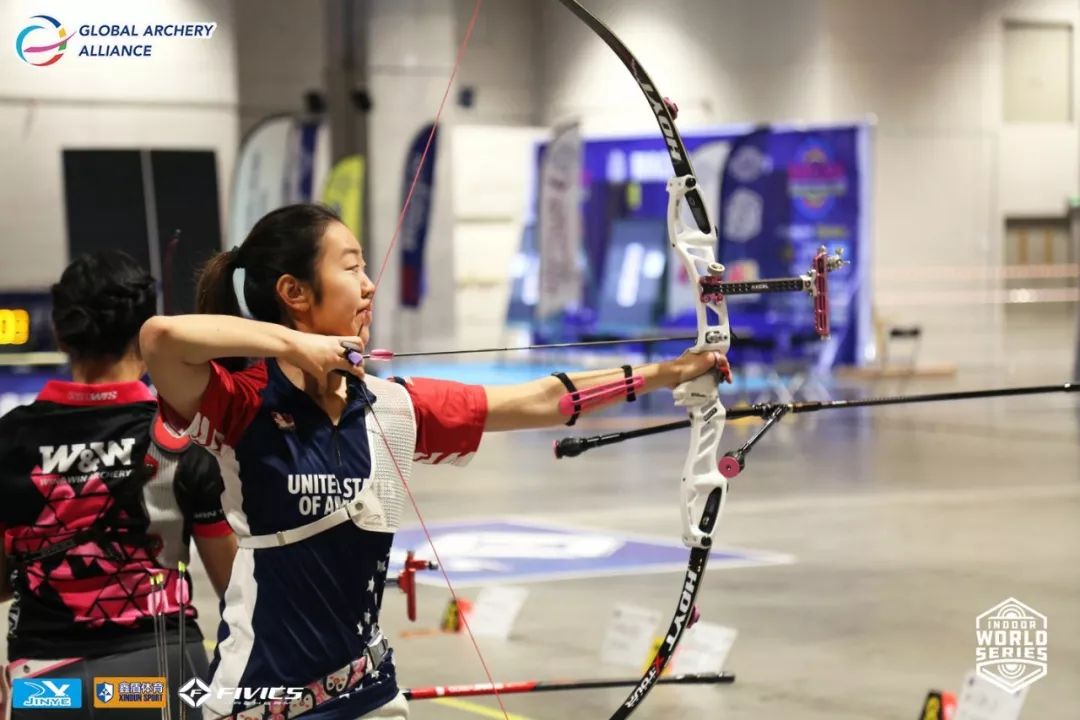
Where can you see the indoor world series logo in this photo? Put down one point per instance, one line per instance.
(43, 41)
(1011, 645)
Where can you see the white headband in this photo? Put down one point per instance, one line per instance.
(238, 278)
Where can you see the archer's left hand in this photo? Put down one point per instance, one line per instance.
(690, 365)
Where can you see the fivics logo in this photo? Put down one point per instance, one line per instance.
(195, 693)
(90, 456)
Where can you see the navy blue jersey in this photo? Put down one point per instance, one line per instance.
(299, 612)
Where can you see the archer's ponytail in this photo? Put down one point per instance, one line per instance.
(284, 242)
(214, 291)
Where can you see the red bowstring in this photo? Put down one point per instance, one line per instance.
(442, 569)
(378, 280)
(427, 145)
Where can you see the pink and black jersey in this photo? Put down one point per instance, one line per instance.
(97, 498)
(298, 612)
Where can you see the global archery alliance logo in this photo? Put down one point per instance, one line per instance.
(41, 43)
(45, 39)
(1011, 645)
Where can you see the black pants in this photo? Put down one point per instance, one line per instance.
(134, 664)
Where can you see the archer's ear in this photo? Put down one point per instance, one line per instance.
(294, 294)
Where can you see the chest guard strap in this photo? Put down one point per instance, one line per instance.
(364, 510)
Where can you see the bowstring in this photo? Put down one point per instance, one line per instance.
(378, 281)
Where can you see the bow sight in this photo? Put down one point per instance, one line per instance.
(815, 282)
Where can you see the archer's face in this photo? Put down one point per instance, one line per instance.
(344, 307)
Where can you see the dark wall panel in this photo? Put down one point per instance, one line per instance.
(104, 202)
(106, 207)
(186, 193)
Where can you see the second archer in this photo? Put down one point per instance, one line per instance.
(316, 456)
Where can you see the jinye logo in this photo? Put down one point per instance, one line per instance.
(46, 693)
(42, 42)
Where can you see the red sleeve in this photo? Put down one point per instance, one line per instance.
(221, 528)
(450, 419)
(228, 405)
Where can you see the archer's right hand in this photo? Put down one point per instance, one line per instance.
(320, 355)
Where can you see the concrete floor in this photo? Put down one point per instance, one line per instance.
(905, 522)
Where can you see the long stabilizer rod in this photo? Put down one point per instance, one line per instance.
(574, 446)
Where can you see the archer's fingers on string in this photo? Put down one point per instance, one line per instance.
(353, 351)
(353, 357)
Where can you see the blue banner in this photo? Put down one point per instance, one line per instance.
(784, 195)
(305, 160)
(780, 194)
(414, 229)
(748, 185)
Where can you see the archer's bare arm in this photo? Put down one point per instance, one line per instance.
(217, 555)
(535, 404)
(178, 351)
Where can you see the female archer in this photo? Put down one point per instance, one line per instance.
(99, 502)
(314, 455)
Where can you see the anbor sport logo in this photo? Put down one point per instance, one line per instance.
(42, 42)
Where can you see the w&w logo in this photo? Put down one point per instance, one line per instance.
(89, 456)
